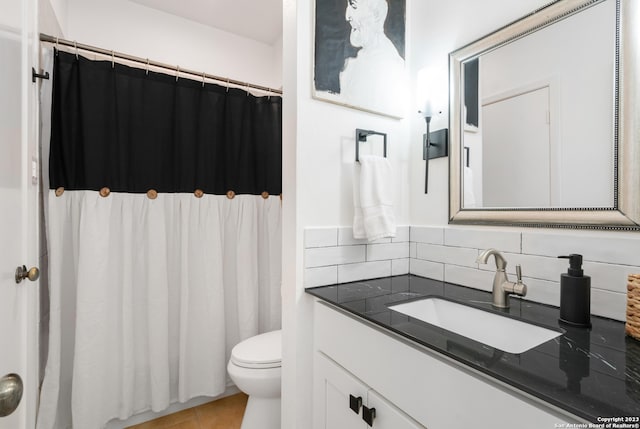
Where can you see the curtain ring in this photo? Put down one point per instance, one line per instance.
(203, 79)
(147, 68)
(227, 84)
(57, 44)
(177, 72)
(246, 85)
(113, 60)
(75, 45)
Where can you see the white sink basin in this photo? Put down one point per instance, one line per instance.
(494, 330)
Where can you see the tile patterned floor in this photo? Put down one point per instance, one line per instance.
(225, 413)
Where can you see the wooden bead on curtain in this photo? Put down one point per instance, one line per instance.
(198, 193)
(104, 192)
(231, 195)
(265, 195)
(59, 191)
(152, 194)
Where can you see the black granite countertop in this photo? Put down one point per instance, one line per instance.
(592, 373)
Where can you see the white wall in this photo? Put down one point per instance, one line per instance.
(56, 11)
(319, 155)
(137, 30)
(49, 21)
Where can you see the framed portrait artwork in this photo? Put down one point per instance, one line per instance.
(359, 55)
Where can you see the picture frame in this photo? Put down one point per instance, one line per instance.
(348, 67)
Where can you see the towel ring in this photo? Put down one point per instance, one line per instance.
(361, 136)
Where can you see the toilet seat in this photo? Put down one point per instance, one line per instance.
(260, 352)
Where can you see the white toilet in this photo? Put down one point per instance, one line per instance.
(255, 368)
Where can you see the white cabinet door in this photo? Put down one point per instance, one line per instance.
(333, 388)
(18, 196)
(336, 390)
(389, 416)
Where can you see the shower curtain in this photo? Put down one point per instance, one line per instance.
(163, 229)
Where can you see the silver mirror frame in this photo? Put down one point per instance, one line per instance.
(625, 213)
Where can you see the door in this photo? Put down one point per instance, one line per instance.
(516, 151)
(18, 211)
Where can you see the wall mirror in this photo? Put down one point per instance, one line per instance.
(544, 123)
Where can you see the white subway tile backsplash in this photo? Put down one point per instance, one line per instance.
(609, 276)
(320, 237)
(432, 270)
(538, 267)
(399, 266)
(323, 256)
(447, 255)
(604, 247)
(363, 271)
(402, 234)
(546, 292)
(427, 234)
(608, 304)
(504, 241)
(320, 276)
(470, 277)
(378, 252)
(345, 238)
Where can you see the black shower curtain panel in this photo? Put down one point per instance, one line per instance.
(132, 130)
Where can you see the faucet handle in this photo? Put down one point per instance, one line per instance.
(518, 288)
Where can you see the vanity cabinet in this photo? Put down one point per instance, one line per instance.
(344, 402)
(422, 387)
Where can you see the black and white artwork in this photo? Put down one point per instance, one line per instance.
(359, 56)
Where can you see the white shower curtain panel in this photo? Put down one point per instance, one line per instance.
(149, 296)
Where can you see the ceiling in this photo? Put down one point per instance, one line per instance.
(259, 20)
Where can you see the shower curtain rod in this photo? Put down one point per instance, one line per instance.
(147, 62)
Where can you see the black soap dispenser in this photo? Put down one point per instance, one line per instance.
(575, 294)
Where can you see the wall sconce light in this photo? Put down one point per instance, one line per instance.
(434, 144)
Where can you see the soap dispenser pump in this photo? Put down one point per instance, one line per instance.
(575, 294)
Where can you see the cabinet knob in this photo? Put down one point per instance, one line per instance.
(355, 403)
(368, 414)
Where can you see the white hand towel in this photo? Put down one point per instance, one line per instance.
(358, 217)
(373, 199)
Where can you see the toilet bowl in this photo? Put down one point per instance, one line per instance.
(254, 367)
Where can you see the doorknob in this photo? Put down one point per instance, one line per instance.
(10, 393)
(22, 273)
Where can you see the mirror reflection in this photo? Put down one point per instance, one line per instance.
(539, 117)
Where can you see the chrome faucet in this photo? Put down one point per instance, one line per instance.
(502, 287)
